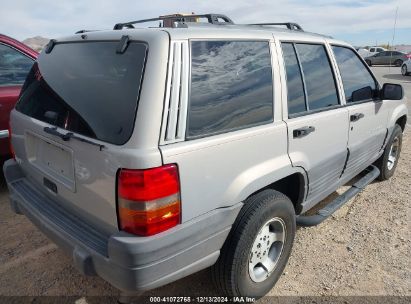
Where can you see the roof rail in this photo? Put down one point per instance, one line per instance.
(211, 18)
(85, 31)
(290, 25)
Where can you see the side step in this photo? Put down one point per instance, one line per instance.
(324, 213)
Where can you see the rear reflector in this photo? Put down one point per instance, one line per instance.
(149, 200)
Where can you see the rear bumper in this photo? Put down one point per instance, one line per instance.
(128, 262)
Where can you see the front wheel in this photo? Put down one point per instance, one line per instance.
(387, 163)
(258, 246)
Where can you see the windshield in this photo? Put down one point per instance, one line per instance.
(87, 88)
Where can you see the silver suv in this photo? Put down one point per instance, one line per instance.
(149, 154)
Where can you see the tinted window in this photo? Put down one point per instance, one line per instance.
(14, 66)
(295, 89)
(87, 88)
(231, 86)
(355, 76)
(319, 79)
(372, 50)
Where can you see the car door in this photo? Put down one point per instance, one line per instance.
(387, 58)
(379, 58)
(317, 122)
(368, 114)
(14, 67)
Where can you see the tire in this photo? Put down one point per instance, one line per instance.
(368, 62)
(386, 164)
(398, 62)
(404, 71)
(231, 274)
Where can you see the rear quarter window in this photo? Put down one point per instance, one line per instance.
(231, 86)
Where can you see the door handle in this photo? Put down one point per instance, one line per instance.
(356, 116)
(304, 131)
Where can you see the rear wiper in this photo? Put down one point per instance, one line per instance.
(70, 135)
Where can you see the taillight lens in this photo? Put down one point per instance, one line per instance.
(10, 144)
(149, 200)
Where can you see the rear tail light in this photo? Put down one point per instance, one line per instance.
(409, 56)
(149, 200)
(10, 144)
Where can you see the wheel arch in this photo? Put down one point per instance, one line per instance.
(398, 116)
(294, 186)
(402, 122)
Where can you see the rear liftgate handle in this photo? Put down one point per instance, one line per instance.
(304, 131)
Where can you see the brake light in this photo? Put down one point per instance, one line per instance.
(10, 144)
(149, 200)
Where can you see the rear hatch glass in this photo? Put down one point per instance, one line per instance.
(87, 88)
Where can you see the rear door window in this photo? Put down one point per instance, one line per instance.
(295, 87)
(319, 78)
(87, 88)
(231, 86)
(310, 80)
(14, 66)
(359, 84)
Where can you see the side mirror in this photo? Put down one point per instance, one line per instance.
(392, 91)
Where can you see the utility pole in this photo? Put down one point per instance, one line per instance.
(393, 35)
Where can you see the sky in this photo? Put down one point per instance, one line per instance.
(361, 22)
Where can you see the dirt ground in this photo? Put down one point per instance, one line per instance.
(363, 250)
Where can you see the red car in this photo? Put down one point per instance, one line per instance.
(16, 60)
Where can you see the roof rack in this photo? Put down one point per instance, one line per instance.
(84, 31)
(290, 25)
(169, 21)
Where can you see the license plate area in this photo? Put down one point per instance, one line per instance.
(53, 159)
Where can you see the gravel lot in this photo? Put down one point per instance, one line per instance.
(363, 250)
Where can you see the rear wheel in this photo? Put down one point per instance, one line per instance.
(368, 62)
(404, 71)
(258, 246)
(387, 163)
(398, 62)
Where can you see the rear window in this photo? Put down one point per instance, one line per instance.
(87, 88)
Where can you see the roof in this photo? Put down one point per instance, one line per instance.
(250, 29)
(18, 45)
